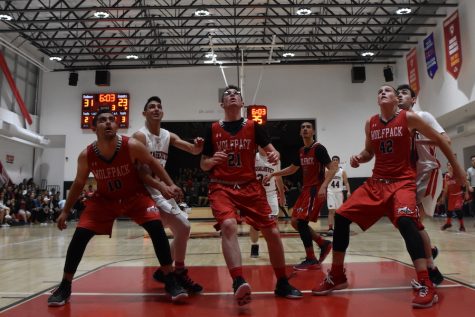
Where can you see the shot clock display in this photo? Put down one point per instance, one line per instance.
(118, 103)
(257, 113)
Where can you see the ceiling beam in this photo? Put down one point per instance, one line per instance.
(236, 6)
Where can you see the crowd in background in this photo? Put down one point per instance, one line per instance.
(26, 203)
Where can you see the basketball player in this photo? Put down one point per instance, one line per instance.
(158, 140)
(229, 156)
(274, 192)
(454, 194)
(428, 177)
(112, 159)
(391, 190)
(313, 159)
(471, 180)
(335, 189)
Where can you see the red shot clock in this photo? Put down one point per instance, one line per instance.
(257, 113)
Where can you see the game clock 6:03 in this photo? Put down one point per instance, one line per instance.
(117, 103)
(257, 113)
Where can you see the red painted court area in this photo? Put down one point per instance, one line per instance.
(376, 289)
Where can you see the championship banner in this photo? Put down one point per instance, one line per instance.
(431, 58)
(412, 72)
(453, 45)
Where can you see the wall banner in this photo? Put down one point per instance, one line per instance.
(453, 44)
(412, 72)
(431, 58)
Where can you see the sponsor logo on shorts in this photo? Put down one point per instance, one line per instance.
(405, 211)
(299, 210)
(152, 209)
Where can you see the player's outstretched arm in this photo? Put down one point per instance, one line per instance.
(416, 123)
(194, 148)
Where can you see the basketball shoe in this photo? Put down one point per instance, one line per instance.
(330, 283)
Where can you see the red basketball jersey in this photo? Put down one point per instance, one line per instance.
(313, 171)
(393, 146)
(116, 178)
(241, 150)
(454, 193)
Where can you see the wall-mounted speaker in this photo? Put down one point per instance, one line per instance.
(103, 78)
(358, 74)
(73, 79)
(388, 74)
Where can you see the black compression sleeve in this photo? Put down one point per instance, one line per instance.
(160, 241)
(76, 249)
(414, 244)
(305, 234)
(341, 234)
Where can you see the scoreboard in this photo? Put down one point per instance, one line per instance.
(117, 103)
(257, 113)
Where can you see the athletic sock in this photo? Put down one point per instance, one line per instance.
(279, 272)
(235, 272)
(179, 266)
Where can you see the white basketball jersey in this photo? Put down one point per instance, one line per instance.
(426, 153)
(263, 169)
(157, 144)
(336, 184)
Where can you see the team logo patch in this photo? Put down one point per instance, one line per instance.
(152, 209)
(405, 211)
(298, 210)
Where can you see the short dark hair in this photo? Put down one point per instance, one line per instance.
(229, 87)
(406, 86)
(101, 111)
(311, 123)
(153, 98)
(471, 157)
(335, 157)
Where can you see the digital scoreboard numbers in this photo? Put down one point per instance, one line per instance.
(117, 103)
(257, 113)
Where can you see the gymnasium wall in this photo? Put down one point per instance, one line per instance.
(191, 94)
(291, 92)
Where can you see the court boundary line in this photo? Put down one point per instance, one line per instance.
(348, 290)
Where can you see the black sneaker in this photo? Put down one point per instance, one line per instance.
(159, 276)
(60, 295)
(435, 276)
(446, 226)
(284, 289)
(242, 291)
(254, 251)
(187, 283)
(435, 252)
(173, 288)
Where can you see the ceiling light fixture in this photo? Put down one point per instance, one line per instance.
(304, 11)
(5, 17)
(288, 54)
(403, 11)
(367, 54)
(202, 13)
(132, 56)
(211, 55)
(55, 58)
(101, 14)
